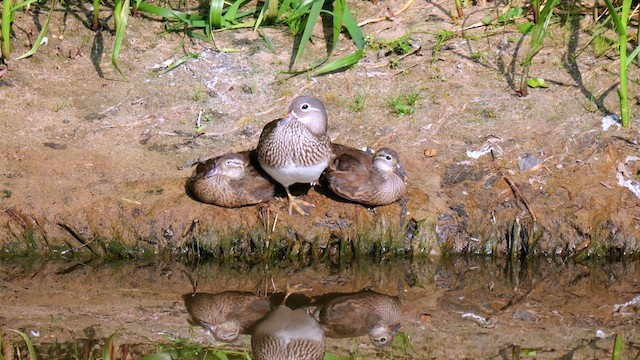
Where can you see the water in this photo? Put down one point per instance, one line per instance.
(458, 308)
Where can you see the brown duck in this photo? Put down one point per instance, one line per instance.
(288, 334)
(231, 180)
(227, 314)
(363, 313)
(366, 178)
(296, 148)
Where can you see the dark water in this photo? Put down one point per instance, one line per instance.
(455, 308)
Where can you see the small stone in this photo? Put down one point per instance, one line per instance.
(55, 146)
(426, 318)
(524, 315)
(431, 152)
(528, 162)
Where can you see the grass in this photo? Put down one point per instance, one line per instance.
(542, 17)
(443, 35)
(621, 19)
(358, 104)
(404, 104)
(300, 17)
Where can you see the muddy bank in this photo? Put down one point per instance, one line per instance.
(91, 159)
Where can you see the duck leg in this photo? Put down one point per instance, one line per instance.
(300, 207)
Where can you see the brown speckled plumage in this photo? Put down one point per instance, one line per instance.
(231, 180)
(296, 148)
(365, 178)
(363, 313)
(227, 314)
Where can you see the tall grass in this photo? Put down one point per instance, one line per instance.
(621, 20)
(299, 15)
(542, 17)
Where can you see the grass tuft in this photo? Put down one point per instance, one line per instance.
(404, 104)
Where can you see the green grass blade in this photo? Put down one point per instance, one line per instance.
(272, 11)
(614, 15)
(633, 55)
(170, 14)
(267, 41)
(181, 61)
(259, 19)
(617, 346)
(32, 350)
(338, 12)
(96, 14)
(43, 33)
(232, 11)
(6, 30)
(215, 15)
(284, 7)
(343, 62)
(18, 6)
(121, 17)
(354, 30)
(312, 19)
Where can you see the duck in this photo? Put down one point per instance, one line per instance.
(367, 178)
(296, 148)
(231, 180)
(363, 313)
(228, 314)
(288, 334)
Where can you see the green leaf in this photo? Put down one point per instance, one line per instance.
(120, 17)
(266, 39)
(537, 83)
(43, 33)
(525, 28)
(312, 19)
(343, 62)
(215, 15)
(354, 30)
(32, 350)
(338, 11)
(512, 13)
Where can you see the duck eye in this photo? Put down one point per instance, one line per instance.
(383, 340)
(389, 157)
(304, 106)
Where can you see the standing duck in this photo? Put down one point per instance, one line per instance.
(296, 148)
(363, 313)
(288, 334)
(366, 178)
(227, 314)
(231, 180)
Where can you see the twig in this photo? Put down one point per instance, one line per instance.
(392, 15)
(520, 196)
(78, 238)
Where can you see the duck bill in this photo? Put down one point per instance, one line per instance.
(213, 172)
(400, 171)
(289, 118)
(394, 328)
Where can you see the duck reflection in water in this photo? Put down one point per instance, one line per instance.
(287, 334)
(363, 313)
(227, 314)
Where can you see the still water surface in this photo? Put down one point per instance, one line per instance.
(451, 309)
